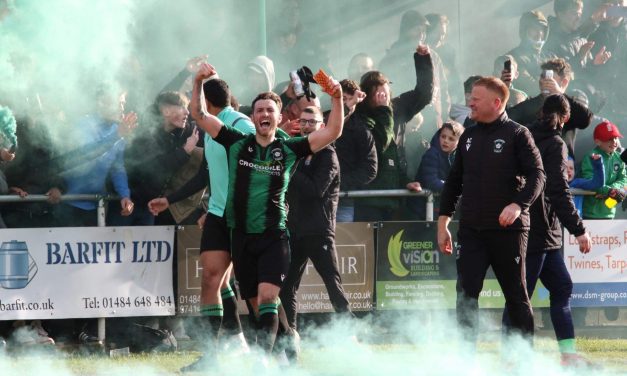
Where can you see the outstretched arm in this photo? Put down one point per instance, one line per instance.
(322, 137)
(204, 120)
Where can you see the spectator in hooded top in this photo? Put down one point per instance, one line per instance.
(435, 165)
(529, 54)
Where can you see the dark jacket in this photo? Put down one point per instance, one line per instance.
(555, 203)
(435, 166)
(496, 164)
(34, 169)
(313, 195)
(390, 168)
(152, 158)
(356, 153)
(527, 57)
(528, 112)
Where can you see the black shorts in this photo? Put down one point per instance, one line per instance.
(259, 258)
(215, 234)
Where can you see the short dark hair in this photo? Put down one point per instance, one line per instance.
(560, 6)
(217, 92)
(436, 19)
(268, 95)
(349, 86)
(496, 86)
(560, 66)
(469, 82)
(555, 110)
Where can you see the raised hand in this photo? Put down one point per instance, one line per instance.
(194, 63)
(205, 71)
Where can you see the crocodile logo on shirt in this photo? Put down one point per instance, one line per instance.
(498, 145)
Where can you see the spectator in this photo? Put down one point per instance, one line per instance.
(533, 30)
(437, 32)
(412, 32)
(312, 197)
(387, 124)
(528, 111)
(7, 142)
(568, 36)
(508, 77)
(102, 156)
(259, 77)
(359, 65)
(33, 171)
(355, 150)
(499, 183)
(461, 112)
(436, 165)
(612, 36)
(163, 144)
(596, 182)
(606, 135)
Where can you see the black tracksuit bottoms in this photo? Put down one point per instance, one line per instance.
(505, 251)
(321, 250)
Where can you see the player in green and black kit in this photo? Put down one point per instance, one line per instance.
(259, 171)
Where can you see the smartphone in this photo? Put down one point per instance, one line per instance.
(507, 66)
(617, 11)
(547, 73)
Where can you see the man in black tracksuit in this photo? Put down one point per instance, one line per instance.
(312, 196)
(499, 172)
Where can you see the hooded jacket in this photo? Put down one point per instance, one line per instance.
(527, 56)
(555, 203)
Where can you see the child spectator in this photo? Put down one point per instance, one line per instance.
(598, 177)
(436, 164)
(606, 135)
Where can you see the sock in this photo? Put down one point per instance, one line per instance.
(213, 312)
(567, 346)
(230, 323)
(269, 321)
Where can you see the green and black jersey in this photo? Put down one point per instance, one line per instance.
(258, 179)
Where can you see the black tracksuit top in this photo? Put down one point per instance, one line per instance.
(496, 164)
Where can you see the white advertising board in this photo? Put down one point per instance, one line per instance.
(86, 272)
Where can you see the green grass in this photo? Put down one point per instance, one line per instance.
(610, 353)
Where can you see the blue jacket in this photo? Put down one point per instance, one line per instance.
(101, 157)
(597, 181)
(435, 166)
